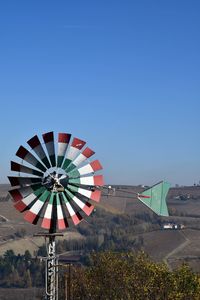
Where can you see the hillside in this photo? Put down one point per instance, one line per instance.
(172, 246)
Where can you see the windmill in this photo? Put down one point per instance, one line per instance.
(59, 189)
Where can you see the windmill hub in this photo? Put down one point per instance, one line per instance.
(55, 181)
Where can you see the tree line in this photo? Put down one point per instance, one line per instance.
(108, 275)
(21, 271)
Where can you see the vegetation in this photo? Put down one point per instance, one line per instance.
(119, 276)
(108, 275)
(21, 271)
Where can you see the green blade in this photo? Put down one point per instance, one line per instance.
(156, 200)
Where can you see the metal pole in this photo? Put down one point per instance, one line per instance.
(69, 281)
(66, 287)
(56, 278)
(51, 278)
(51, 270)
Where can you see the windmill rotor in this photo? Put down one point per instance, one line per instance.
(57, 184)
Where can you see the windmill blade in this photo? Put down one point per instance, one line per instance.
(86, 207)
(20, 193)
(27, 201)
(73, 151)
(47, 220)
(96, 180)
(62, 222)
(87, 169)
(75, 216)
(24, 154)
(93, 195)
(63, 142)
(34, 211)
(49, 143)
(23, 169)
(87, 153)
(35, 144)
(155, 198)
(21, 205)
(16, 181)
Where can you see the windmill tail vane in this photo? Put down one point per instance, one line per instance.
(154, 197)
(143, 196)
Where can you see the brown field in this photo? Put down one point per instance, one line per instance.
(159, 243)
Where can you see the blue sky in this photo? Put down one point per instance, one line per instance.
(123, 75)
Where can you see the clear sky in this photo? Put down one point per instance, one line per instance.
(123, 75)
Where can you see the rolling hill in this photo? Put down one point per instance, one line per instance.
(172, 246)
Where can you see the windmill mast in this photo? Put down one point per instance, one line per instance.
(51, 270)
(51, 265)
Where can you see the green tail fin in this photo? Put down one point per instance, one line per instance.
(155, 198)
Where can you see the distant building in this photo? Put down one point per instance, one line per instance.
(173, 226)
